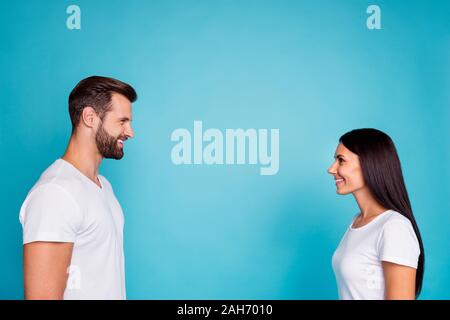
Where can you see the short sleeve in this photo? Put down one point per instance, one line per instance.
(398, 244)
(49, 213)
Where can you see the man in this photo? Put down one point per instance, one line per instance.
(72, 222)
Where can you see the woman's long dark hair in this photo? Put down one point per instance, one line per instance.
(383, 176)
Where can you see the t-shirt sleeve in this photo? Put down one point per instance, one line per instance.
(398, 244)
(50, 214)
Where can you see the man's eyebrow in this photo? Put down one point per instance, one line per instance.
(125, 119)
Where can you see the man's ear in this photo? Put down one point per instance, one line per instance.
(89, 117)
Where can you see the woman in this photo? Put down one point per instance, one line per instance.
(381, 255)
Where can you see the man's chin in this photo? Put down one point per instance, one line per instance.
(115, 156)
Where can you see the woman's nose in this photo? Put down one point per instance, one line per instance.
(332, 168)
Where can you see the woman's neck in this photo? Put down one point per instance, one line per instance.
(367, 204)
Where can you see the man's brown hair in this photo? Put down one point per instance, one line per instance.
(96, 92)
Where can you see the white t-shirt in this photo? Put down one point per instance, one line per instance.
(66, 206)
(357, 262)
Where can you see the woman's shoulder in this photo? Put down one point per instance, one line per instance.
(397, 241)
(394, 221)
(396, 217)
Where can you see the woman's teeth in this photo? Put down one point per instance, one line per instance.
(339, 181)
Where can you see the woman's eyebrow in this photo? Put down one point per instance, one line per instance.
(338, 155)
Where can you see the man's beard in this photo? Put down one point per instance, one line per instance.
(107, 145)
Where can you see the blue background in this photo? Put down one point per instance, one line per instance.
(310, 68)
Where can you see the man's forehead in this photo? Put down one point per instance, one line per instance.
(120, 99)
(120, 104)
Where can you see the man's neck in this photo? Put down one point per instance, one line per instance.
(84, 156)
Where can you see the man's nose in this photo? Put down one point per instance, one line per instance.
(129, 133)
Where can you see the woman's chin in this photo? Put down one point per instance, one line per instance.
(342, 191)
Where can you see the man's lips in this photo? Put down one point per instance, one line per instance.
(121, 142)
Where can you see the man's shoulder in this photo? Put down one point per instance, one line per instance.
(56, 177)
